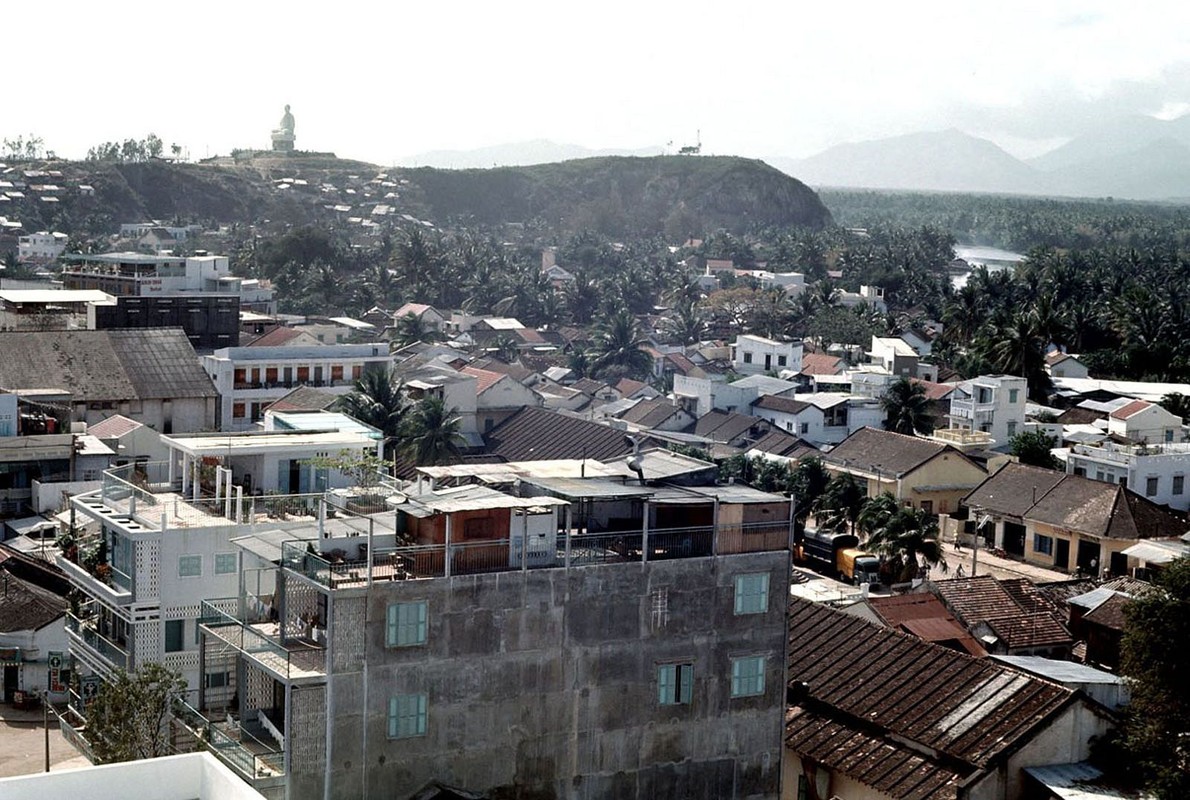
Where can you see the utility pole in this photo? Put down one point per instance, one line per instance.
(45, 723)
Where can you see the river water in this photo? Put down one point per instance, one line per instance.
(991, 257)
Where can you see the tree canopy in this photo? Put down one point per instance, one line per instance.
(128, 719)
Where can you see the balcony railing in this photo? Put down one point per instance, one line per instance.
(253, 759)
(84, 630)
(505, 555)
(262, 643)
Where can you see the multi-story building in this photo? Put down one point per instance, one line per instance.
(1157, 471)
(164, 540)
(993, 404)
(751, 355)
(211, 321)
(41, 247)
(500, 644)
(248, 379)
(142, 275)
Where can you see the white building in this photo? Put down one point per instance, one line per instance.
(144, 275)
(1142, 421)
(895, 355)
(191, 776)
(751, 355)
(700, 396)
(820, 418)
(40, 247)
(250, 378)
(992, 404)
(1157, 471)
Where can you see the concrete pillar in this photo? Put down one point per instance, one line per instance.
(239, 504)
(999, 535)
(715, 527)
(218, 484)
(644, 535)
(524, 539)
(447, 555)
(172, 467)
(566, 533)
(185, 474)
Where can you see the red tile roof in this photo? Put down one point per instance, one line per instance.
(821, 364)
(484, 378)
(277, 336)
(1131, 409)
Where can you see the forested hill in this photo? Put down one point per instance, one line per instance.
(670, 195)
(675, 196)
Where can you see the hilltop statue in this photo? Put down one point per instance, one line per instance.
(283, 137)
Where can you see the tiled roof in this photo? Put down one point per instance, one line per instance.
(102, 366)
(484, 378)
(780, 443)
(786, 405)
(588, 385)
(304, 398)
(113, 427)
(1012, 490)
(935, 391)
(535, 434)
(650, 413)
(628, 387)
(1076, 415)
(26, 606)
(1109, 613)
(279, 336)
(514, 371)
(416, 309)
(1131, 409)
(891, 767)
(821, 364)
(967, 710)
(926, 617)
(682, 363)
(1017, 612)
(891, 452)
(726, 427)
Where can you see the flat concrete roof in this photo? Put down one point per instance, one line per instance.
(43, 296)
(590, 488)
(269, 442)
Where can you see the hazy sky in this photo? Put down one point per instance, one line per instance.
(378, 81)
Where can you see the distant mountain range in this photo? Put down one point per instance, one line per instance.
(1139, 158)
(515, 154)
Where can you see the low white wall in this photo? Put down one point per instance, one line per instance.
(193, 776)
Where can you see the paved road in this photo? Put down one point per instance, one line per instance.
(988, 564)
(22, 744)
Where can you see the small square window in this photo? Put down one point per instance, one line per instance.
(752, 593)
(406, 624)
(747, 676)
(674, 684)
(226, 563)
(215, 680)
(190, 567)
(805, 427)
(747, 358)
(782, 361)
(406, 716)
(1043, 544)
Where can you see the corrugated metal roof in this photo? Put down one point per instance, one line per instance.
(1079, 781)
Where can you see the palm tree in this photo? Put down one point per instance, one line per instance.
(431, 433)
(1014, 347)
(685, 322)
(376, 400)
(839, 506)
(906, 408)
(411, 329)
(906, 535)
(618, 346)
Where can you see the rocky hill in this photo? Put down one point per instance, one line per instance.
(673, 196)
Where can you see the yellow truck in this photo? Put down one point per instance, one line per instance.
(857, 566)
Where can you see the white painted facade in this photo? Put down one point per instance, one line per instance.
(1151, 424)
(752, 355)
(192, 776)
(250, 378)
(993, 404)
(40, 247)
(1159, 472)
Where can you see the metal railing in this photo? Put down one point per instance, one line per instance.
(332, 569)
(270, 652)
(260, 761)
(106, 648)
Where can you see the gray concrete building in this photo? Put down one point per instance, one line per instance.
(490, 643)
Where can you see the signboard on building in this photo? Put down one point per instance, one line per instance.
(56, 665)
(90, 688)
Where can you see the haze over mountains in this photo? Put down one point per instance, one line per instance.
(1136, 157)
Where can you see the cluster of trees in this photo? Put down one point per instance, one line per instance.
(26, 148)
(1017, 223)
(906, 537)
(130, 150)
(426, 432)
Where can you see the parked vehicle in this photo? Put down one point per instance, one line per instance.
(838, 555)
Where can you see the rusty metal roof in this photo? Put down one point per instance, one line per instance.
(962, 708)
(1019, 614)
